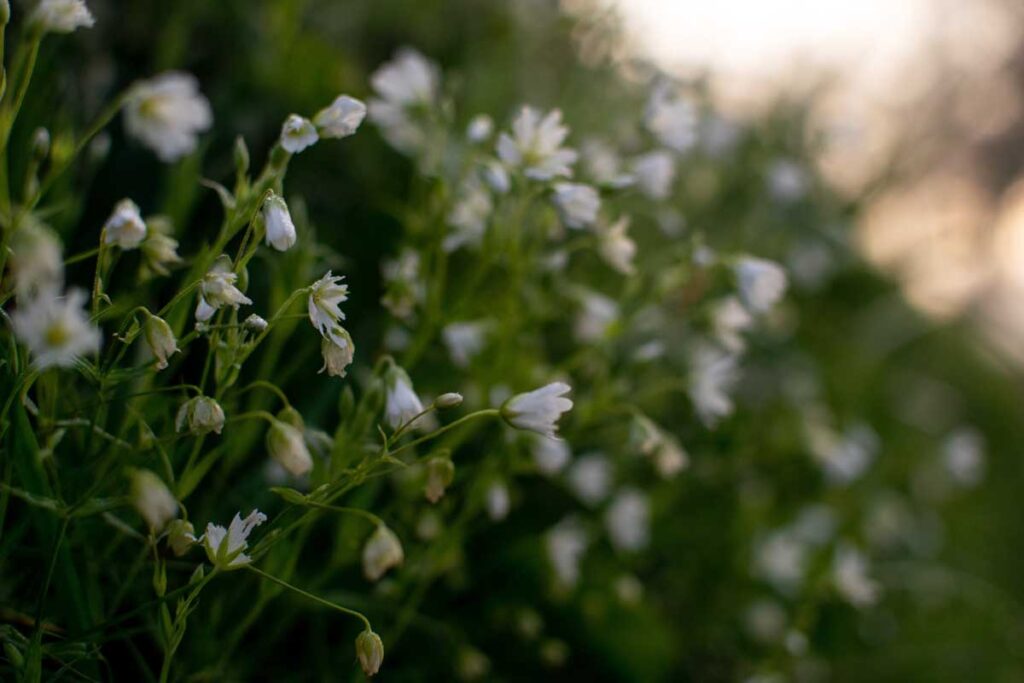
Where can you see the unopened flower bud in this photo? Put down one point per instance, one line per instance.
(40, 143)
(181, 536)
(255, 323)
(287, 447)
(440, 473)
(241, 156)
(160, 340)
(125, 227)
(382, 551)
(370, 651)
(201, 415)
(449, 400)
(152, 499)
(280, 230)
(337, 357)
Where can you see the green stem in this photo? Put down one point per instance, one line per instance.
(488, 412)
(314, 598)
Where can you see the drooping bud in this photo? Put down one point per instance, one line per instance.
(255, 323)
(287, 447)
(370, 651)
(337, 356)
(201, 415)
(152, 499)
(181, 536)
(449, 400)
(125, 227)
(382, 551)
(280, 231)
(160, 340)
(440, 473)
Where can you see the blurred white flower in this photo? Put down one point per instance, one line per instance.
(655, 172)
(729, 319)
(218, 289)
(603, 165)
(160, 340)
(201, 415)
(616, 247)
(125, 227)
(781, 559)
(963, 454)
(535, 145)
(225, 548)
(480, 128)
(37, 259)
(325, 297)
(844, 457)
(405, 288)
(590, 478)
(401, 404)
(671, 458)
(671, 118)
(550, 455)
(578, 204)
(280, 231)
(787, 180)
(286, 446)
(337, 356)
(159, 249)
(55, 328)
(341, 119)
(382, 551)
(597, 316)
(712, 376)
(61, 16)
(464, 340)
(761, 283)
(407, 87)
(167, 113)
(440, 474)
(297, 133)
(566, 542)
(765, 620)
(850, 575)
(469, 215)
(152, 499)
(628, 520)
(496, 176)
(498, 501)
(538, 410)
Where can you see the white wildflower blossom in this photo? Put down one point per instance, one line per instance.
(498, 501)
(338, 354)
(672, 118)
(788, 181)
(61, 16)
(382, 551)
(480, 128)
(963, 454)
(218, 289)
(37, 259)
(535, 145)
(401, 403)
(167, 113)
(712, 376)
(464, 340)
(566, 542)
(603, 165)
(55, 328)
(152, 499)
(597, 317)
(655, 172)
(125, 227)
(440, 474)
(762, 283)
(407, 88)
(851, 578)
(628, 521)
(577, 204)
(405, 288)
(469, 215)
(538, 410)
(550, 456)
(729, 319)
(297, 133)
(496, 176)
(280, 231)
(590, 478)
(325, 298)
(616, 247)
(781, 559)
(341, 119)
(160, 249)
(225, 548)
(671, 458)
(201, 415)
(288, 448)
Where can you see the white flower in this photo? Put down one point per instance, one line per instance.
(440, 474)
(844, 457)
(61, 16)
(464, 341)
(578, 204)
(407, 88)
(850, 575)
(325, 297)
(498, 501)
(382, 551)
(963, 454)
(37, 259)
(480, 128)
(628, 521)
(159, 249)
(671, 118)
(566, 542)
(538, 410)
(728, 320)
(712, 376)
(337, 357)
(787, 180)
(405, 288)
(655, 172)
(402, 404)
(616, 247)
(781, 559)
(369, 651)
(152, 499)
(469, 216)
(590, 478)
(218, 289)
(597, 317)
(55, 328)
(167, 113)
(225, 548)
(280, 229)
(286, 445)
(201, 415)
(761, 283)
(603, 165)
(341, 119)
(297, 133)
(671, 458)
(125, 227)
(160, 340)
(550, 455)
(535, 145)
(496, 176)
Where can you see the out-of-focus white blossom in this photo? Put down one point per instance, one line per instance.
(464, 340)
(152, 499)
(671, 458)
(280, 231)
(405, 288)
(337, 357)
(407, 88)
(341, 118)
(603, 165)
(712, 375)
(628, 520)
(218, 289)
(765, 620)
(325, 298)
(401, 404)
(538, 410)
(729, 319)
(469, 215)
(297, 133)
(655, 172)
(761, 283)
(55, 327)
(550, 455)
(125, 227)
(844, 457)
(498, 501)
(440, 474)
(590, 478)
(382, 551)
(671, 118)
(566, 542)
(850, 575)
(781, 559)
(159, 249)
(787, 180)
(37, 259)
(480, 128)
(616, 247)
(201, 415)
(286, 446)
(61, 16)
(225, 548)
(578, 204)
(963, 454)
(535, 145)
(496, 176)
(597, 317)
(166, 113)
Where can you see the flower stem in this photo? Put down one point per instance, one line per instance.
(314, 598)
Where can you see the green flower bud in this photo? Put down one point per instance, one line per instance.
(370, 651)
